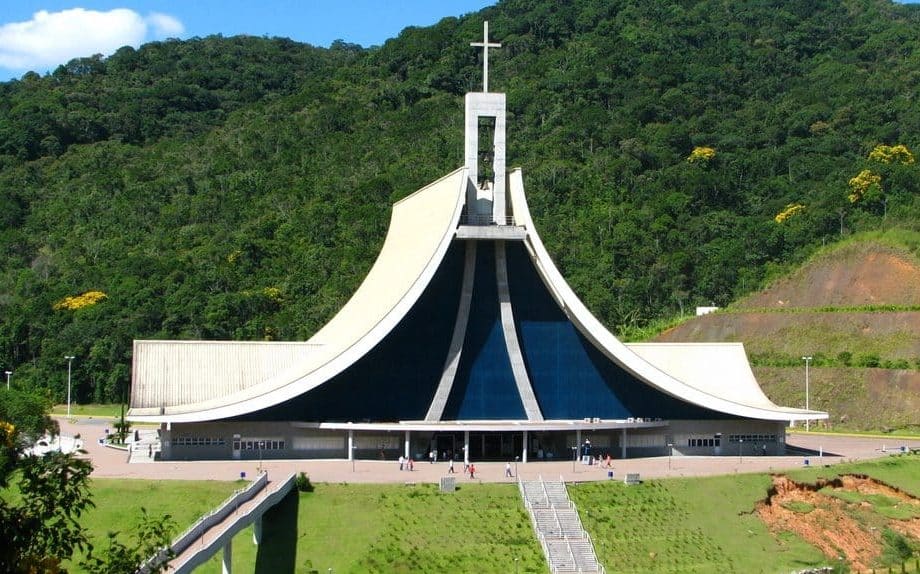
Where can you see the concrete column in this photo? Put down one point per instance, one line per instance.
(351, 444)
(623, 445)
(257, 531)
(408, 437)
(226, 564)
(466, 447)
(524, 453)
(166, 441)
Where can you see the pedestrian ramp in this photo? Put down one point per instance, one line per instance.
(215, 531)
(568, 548)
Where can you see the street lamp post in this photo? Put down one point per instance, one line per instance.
(261, 446)
(516, 459)
(670, 453)
(8, 374)
(740, 450)
(353, 449)
(574, 456)
(70, 359)
(807, 361)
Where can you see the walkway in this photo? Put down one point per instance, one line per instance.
(215, 531)
(111, 463)
(568, 548)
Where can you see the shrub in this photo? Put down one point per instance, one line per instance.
(868, 360)
(303, 484)
(896, 548)
(845, 358)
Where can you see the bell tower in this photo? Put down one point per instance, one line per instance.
(485, 148)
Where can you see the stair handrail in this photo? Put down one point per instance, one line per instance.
(545, 494)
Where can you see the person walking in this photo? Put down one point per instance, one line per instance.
(450, 466)
(402, 461)
(508, 470)
(472, 471)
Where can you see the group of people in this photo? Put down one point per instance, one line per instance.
(470, 468)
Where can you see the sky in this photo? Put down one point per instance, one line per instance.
(39, 35)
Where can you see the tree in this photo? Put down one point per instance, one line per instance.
(27, 413)
(42, 529)
(41, 526)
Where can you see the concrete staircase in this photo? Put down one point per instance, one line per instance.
(567, 546)
(146, 448)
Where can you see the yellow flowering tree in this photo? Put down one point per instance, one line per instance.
(701, 154)
(87, 299)
(866, 185)
(789, 211)
(892, 154)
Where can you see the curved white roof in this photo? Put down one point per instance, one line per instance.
(741, 401)
(204, 385)
(717, 369)
(196, 381)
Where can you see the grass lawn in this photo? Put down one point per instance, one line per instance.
(393, 528)
(910, 433)
(687, 525)
(119, 502)
(673, 525)
(91, 410)
(901, 471)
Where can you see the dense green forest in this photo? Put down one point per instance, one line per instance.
(675, 153)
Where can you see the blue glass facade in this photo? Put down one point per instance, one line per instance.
(397, 379)
(484, 387)
(571, 378)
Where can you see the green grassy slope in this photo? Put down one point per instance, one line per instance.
(687, 525)
(855, 308)
(394, 528)
(119, 503)
(676, 525)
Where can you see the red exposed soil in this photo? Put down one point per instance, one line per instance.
(855, 275)
(829, 526)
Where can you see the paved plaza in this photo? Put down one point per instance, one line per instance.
(113, 463)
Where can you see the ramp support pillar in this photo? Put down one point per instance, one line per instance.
(466, 447)
(257, 531)
(406, 454)
(623, 445)
(351, 444)
(226, 566)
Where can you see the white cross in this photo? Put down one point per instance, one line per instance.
(485, 45)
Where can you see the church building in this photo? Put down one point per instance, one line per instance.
(464, 340)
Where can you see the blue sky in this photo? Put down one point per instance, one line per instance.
(41, 34)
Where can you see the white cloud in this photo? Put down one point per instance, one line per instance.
(52, 38)
(164, 25)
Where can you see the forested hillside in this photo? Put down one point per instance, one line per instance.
(674, 152)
